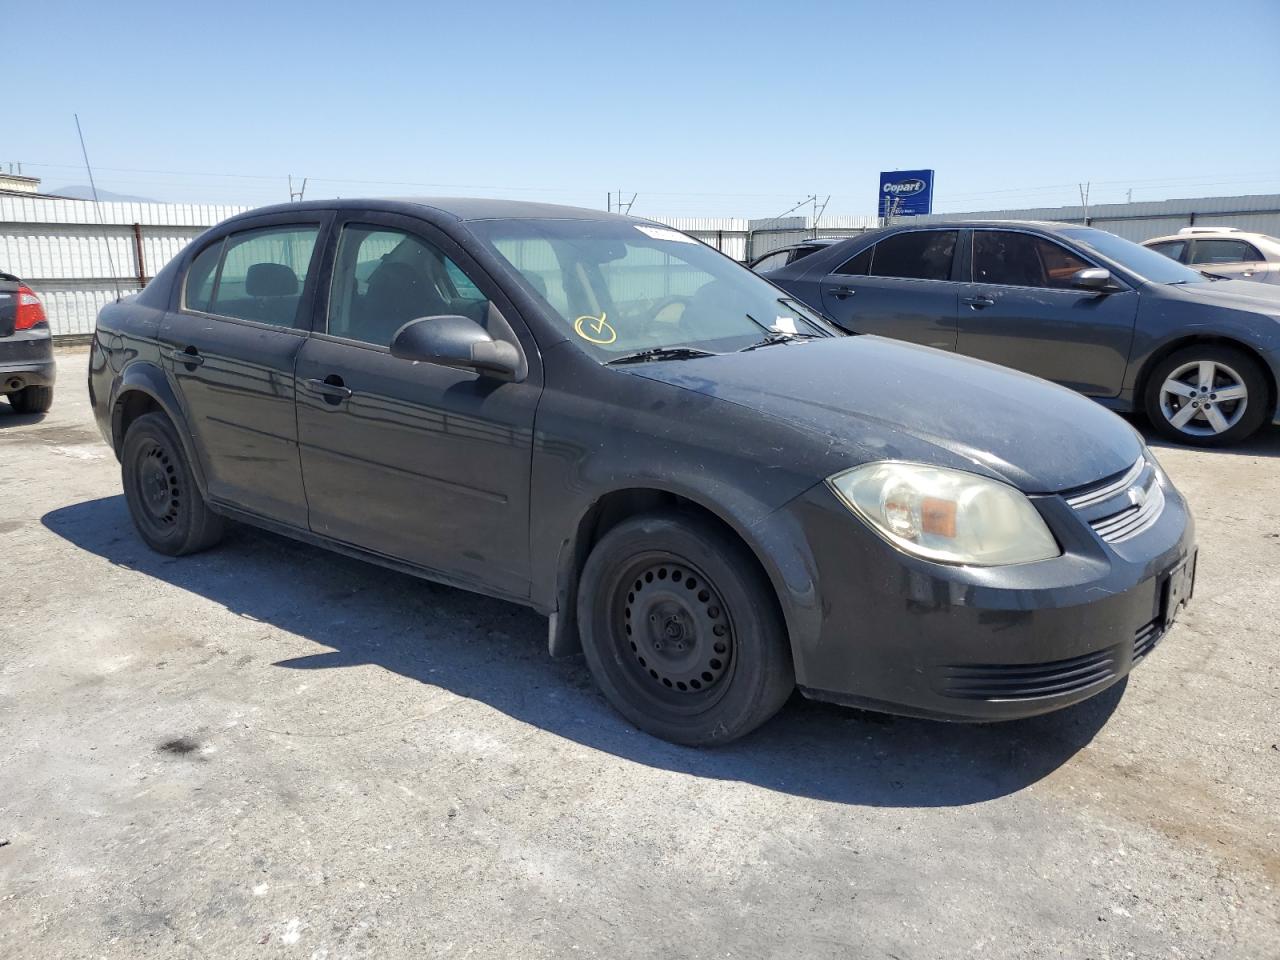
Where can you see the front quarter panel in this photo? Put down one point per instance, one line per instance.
(602, 431)
(1167, 315)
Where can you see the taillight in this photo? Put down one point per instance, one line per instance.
(30, 309)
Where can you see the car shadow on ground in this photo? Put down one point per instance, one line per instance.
(495, 652)
(11, 418)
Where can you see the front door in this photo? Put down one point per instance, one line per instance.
(901, 287)
(229, 349)
(419, 462)
(1022, 311)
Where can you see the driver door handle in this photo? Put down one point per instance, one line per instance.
(978, 302)
(331, 388)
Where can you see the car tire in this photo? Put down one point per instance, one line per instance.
(1196, 376)
(682, 631)
(32, 399)
(166, 505)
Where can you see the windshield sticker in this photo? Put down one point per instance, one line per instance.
(658, 233)
(785, 324)
(595, 329)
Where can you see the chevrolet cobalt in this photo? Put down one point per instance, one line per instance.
(712, 494)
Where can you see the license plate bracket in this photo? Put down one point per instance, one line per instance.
(1177, 589)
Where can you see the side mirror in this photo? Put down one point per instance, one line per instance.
(453, 341)
(1093, 278)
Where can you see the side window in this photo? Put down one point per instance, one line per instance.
(262, 274)
(1022, 260)
(1171, 249)
(916, 255)
(383, 278)
(198, 290)
(1059, 264)
(1224, 251)
(857, 266)
(772, 262)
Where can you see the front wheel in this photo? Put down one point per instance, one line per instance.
(1207, 396)
(164, 501)
(681, 630)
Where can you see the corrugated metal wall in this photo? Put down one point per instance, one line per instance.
(60, 248)
(76, 263)
(1140, 221)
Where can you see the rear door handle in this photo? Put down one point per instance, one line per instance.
(840, 293)
(189, 356)
(978, 303)
(331, 388)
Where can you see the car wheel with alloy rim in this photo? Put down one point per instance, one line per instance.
(1207, 396)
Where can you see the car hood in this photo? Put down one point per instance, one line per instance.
(868, 398)
(1234, 294)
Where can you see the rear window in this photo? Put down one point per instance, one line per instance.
(916, 255)
(255, 275)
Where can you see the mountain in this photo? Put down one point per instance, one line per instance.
(85, 193)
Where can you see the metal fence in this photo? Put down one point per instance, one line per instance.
(76, 254)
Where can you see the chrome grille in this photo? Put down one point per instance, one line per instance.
(1120, 508)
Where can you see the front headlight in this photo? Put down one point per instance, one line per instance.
(946, 515)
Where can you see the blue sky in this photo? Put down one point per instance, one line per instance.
(697, 107)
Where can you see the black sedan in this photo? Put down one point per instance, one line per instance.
(712, 494)
(1199, 354)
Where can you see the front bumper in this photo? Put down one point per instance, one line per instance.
(907, 636)
(26, 359)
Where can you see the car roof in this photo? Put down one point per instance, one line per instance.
(457, 208)
(1207, 233)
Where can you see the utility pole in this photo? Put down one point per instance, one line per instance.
(297, 194)
(622, 206)
(818, 212)
(1084, 201)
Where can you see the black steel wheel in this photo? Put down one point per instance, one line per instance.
(681, 630)
(164, 501)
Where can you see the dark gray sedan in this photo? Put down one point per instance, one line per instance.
(1117, 322)
(709, 491)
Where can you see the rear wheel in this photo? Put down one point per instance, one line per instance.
(164, 501)
(32, 399)
(1207, 396)
(681, 630)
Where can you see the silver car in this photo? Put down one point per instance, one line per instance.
(1225, 251)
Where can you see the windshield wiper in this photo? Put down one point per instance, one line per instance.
(780, 337)
(660, 353)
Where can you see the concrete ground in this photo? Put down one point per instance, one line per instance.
(270, 751)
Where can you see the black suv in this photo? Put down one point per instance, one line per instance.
(713, 494)
(1199, 354)
(26, 348)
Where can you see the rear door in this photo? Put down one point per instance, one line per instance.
(243, 313)
(902, 287)
(1020, 310)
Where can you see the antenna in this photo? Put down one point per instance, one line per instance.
(111, 263)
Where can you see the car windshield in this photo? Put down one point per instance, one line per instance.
(1147, 263)
(624, 287)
